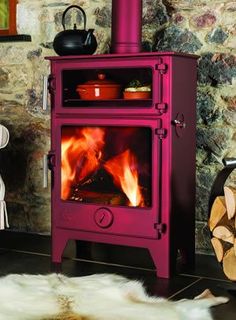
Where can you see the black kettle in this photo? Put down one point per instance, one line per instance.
(74, 42)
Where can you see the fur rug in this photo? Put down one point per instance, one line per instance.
(96, 297)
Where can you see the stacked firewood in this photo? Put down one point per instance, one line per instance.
(222, 224)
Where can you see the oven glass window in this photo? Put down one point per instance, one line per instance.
(123, 87)
(106, 165)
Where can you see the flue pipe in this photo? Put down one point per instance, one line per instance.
(126, 35)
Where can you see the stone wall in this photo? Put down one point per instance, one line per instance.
(204, 27)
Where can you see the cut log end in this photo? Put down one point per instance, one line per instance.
(230, 201)
(229, 264)
(218, 210)
(220, 247)
(224, 233)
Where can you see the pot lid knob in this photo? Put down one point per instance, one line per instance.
(101, 76)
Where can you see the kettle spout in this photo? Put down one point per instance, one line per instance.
(88, 38)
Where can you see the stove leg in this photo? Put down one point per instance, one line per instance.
(59, 241)
(187, 259)
(56, 267)
(161, 260)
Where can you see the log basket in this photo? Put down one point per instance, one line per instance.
(218, 185)
(217, 194)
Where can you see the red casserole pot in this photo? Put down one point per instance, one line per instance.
(100, 89)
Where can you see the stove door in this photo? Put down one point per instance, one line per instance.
(107, 175)
(108, 84)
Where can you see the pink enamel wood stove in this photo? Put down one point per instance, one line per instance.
(123, 171)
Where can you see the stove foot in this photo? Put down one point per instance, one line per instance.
(56, 267)
(59, 241)
(161, 260)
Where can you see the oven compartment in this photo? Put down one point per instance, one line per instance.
(67, 75)
(80, 208)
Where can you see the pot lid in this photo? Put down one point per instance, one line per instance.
(100, 81)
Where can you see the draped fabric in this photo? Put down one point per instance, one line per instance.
(3, 207)
(4, 138)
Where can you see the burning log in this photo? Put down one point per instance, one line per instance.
(97, 180)
(88, 190)
(222, 226)
(99, 197)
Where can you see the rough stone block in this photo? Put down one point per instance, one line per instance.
(216, 69)
(174, 38)
(207, 112)
(214, 139)
(217, 36)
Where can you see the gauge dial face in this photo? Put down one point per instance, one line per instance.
(103, 218)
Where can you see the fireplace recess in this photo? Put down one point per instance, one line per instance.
(123, 170)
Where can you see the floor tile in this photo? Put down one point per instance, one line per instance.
(25, 241)
(154, 286)
(20, 262)
(207, 267)
(218, 288)
(23, 262)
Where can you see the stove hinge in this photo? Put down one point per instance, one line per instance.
(161, 133)
(161, 67)
(161, 228)
(161, 108)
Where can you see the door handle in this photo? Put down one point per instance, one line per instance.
(45, 171)
(45, 93)
(48, 164)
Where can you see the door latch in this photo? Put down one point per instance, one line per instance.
(48, 164)
(179, 123)
(161, 228)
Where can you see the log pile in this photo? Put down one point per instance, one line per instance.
(222, 224)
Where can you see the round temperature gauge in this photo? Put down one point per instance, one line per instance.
(103, 217)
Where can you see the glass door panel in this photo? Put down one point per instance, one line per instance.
(123, 77)
(108, 165)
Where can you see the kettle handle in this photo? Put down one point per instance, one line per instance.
(70, 7)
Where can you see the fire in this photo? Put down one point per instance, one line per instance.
(80, 156)
(124, 172)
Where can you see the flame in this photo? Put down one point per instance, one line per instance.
(123, 170)
(80, 156)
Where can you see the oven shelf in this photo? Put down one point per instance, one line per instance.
(126, 103)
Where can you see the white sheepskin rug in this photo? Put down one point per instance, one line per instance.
(96, 297)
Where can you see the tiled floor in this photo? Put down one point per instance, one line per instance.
(31, 255)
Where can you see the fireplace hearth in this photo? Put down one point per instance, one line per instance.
(123, 170)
